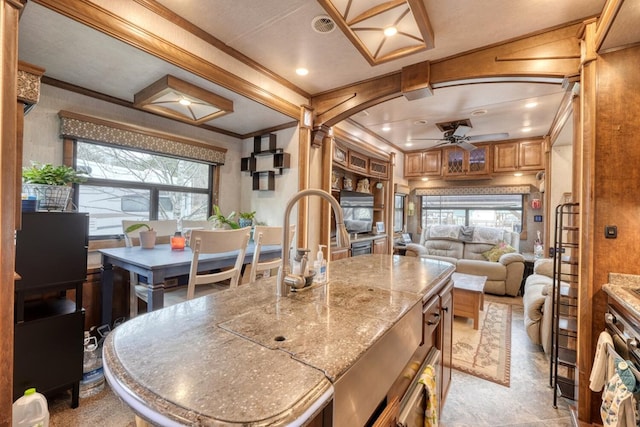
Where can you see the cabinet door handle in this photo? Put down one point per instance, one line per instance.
(445, 309)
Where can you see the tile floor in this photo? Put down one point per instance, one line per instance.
(471, 401)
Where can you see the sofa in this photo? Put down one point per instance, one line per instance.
(537, 301)
(480, 251)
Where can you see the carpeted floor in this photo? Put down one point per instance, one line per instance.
(471, 402)
(484, 352)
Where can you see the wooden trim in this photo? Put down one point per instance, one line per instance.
(360, 145)
(587, 275)
(556, 52)
(9, 16)
(325, 208)
(100, 19)
(160, 10)
(563, 114)
(304, 146)
(605, 21)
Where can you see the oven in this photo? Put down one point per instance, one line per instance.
(413, 405)
(624, 329)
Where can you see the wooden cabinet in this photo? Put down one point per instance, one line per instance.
(425, 163)
(518, 156)
(378, 168)
(531, 155)
(340, 155)
(338, 253)
(463, 163)
(358, 162)
(380, 246)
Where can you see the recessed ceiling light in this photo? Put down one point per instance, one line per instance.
(185, 102)
(390, 31)
(302, 71)
(408, 144)
(517, 174)
(526, 129)
(481, 112)
(425, 179)
(420, 122)
(531, 104)
(386, 128)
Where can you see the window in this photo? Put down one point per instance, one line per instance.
(488, 210)
(136, 185)
(398, 213)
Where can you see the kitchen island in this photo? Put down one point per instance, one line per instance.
(247, 357)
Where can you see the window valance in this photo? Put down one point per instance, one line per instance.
(78, 126)
(455, 191)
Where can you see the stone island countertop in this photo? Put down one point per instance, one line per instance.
(246, 357)
(622, 288)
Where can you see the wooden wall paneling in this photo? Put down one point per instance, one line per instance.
(615, 185)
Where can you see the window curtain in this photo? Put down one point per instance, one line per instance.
(457, 191)
(78, 126)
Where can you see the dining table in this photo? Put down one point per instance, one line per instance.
(161, 263)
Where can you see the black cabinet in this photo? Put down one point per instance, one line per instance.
(51, 257)
(264, 179)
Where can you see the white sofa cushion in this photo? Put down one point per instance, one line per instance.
(475, 250)
(445, 248)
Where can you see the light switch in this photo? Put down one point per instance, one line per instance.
(610, 231)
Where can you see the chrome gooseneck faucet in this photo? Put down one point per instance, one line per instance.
(285, 278)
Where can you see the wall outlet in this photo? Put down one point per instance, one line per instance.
(610, 231)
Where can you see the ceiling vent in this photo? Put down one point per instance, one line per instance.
(323, 24)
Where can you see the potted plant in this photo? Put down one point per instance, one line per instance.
(147, 237)
(220, 220)
(49, 184)
(246, 219)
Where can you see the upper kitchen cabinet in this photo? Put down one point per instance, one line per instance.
(518, 156)
(425, 163)
(469, 164)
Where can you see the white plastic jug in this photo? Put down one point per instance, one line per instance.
(31, 410)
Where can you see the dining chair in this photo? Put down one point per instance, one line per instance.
(262, 236)
(202, 224)
(214, 242)
(164, 230)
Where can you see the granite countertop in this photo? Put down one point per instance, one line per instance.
(622, 288)
(244, 356)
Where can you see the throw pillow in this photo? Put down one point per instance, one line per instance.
(497, 251)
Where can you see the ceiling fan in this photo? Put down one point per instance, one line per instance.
(455, 133)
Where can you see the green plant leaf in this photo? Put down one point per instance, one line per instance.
(51, 175)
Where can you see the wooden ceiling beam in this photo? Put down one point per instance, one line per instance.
(552, 54)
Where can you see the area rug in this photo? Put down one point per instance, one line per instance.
(485, 352)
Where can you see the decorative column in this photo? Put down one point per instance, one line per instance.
(9, 16)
